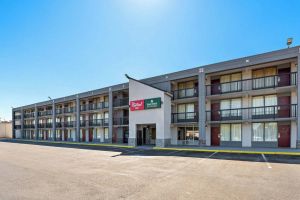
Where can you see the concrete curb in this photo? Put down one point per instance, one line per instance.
(76, 143)
(229, 151)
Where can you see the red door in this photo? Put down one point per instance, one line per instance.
(66, 135)
(284, 77)
(90, 135)
(215, 112)
(215, 136)
(284, 135)
(215, 86)
(284, 106)
(83, 135)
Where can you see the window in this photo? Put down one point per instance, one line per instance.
(106, 133)
(271, 132)
(264, 77)
(231, 132)
(264, 132)
(225, 132)
(186, 111)
(264, 105)
(231, 82)
(188, 135)
(231, 107)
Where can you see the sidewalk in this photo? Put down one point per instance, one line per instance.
(268, 151)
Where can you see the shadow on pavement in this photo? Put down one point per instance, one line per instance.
(151, 152)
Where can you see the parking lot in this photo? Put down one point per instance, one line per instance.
(63, 171)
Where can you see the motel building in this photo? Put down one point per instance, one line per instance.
(245, 102)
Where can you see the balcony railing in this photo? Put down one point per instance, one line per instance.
(45, 113)
(69, 110)
(17, 116)
(97, 106)
(98, 122)
(121, 121)
(59, 124)
(121, 102)
(17, 126)
(185, 93)
(59, 111)
(29, 115)
(275, 81)
(83, 123)
(45, 125)
(265, 112)
(28, 126)
(184, 117)
(70, 124)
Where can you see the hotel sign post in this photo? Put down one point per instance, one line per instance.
(145, 104)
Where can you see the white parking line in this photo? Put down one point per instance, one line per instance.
(212, 154)
(266, 160)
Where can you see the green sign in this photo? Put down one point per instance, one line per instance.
(153, 103)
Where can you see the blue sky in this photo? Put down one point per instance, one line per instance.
(62, 47)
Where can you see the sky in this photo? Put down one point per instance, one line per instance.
(62, 47)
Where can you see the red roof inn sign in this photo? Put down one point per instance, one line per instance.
(145, 104)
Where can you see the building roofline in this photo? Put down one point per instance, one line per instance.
(266, 57)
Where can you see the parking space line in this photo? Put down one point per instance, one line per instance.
(212, 154)
(266, 160)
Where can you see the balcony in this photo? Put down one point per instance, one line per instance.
(59, 111)
(97, 106)
(17, 117)
(28, 126)
(184, 117)
(70, 124)
(281, 80)
(252, 113)
(98, 122)
(29, 115)
(69, 109)
(121, 102)
(45, 125)
(83, 123)
(17, 126)
(59, 124)
(45, 113)
(185, 93)
(121, 121)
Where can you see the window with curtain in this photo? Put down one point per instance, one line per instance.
(258, 104)
(271, 132)
(236, 132)
(270, 102)
(264, 77)
(231, 107)
(190, 109)
(225, 132)
(225, 106)
(258, 132)
(236, 84)
(106, 133)
(225, 83)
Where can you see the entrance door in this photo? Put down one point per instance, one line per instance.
(90, 135)
(284, 135)
(83, 135)
(215, 86)
(215, 111)
(284, 106)
(215, 136)
(139, 136)
(284, 77)
(66, 135)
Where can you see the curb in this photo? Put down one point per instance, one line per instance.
(228, 151)
(76, 143)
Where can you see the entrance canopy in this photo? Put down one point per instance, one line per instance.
(149, 105)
